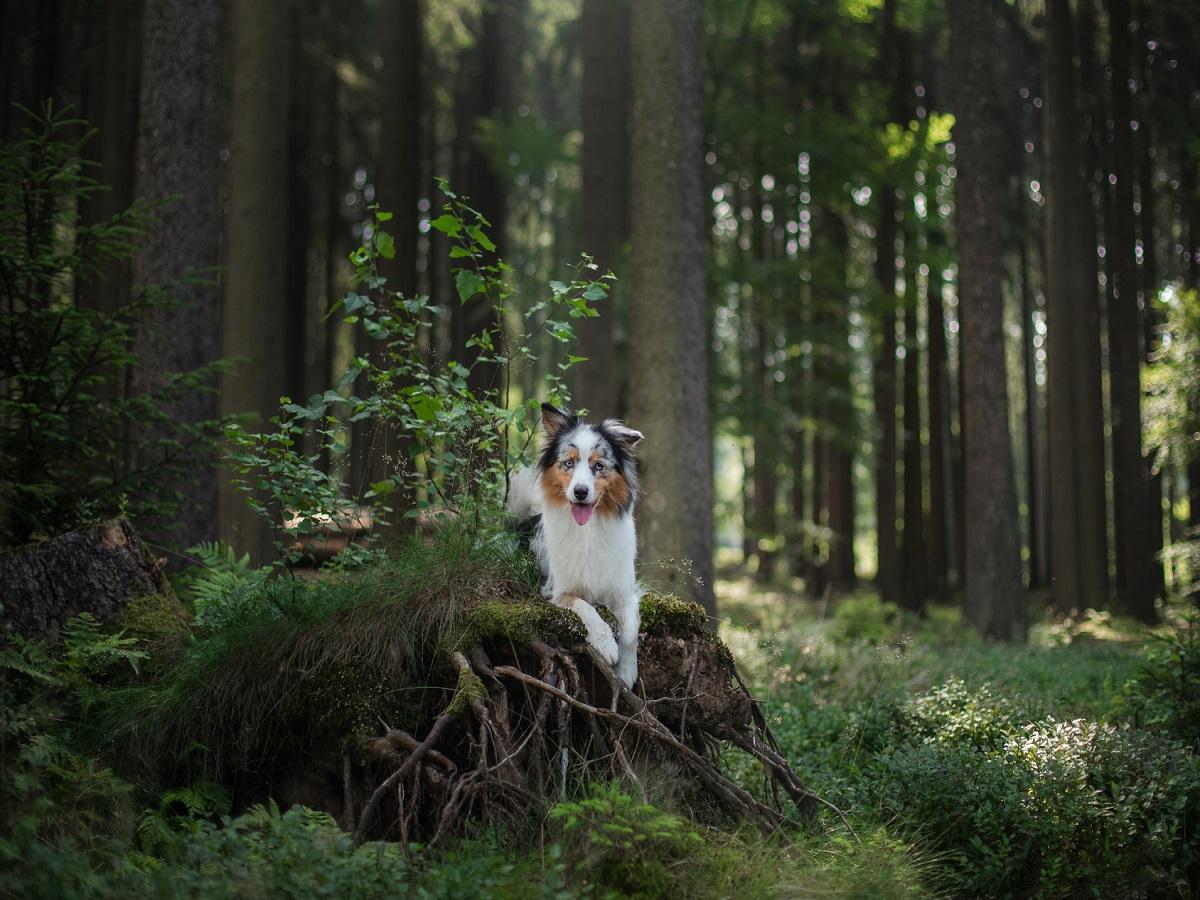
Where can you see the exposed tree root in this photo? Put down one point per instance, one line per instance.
(528, 717)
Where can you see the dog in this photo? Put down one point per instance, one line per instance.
(577, 506)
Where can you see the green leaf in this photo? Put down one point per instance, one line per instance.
(385, 244)
(447, 225)
(468, 283)
(481, 238)
(558, 287)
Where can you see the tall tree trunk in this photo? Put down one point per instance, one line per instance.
(294, 326)
(1035, 482)
(1191, 246)
(884, 388)
(831, 373)
(114, 113)
(994, 597)
(941, 486)
(604, 214)
(179, 132)
(1135, 520)
(399, 192)
(255, 304)
(1078, 550)
(914, 556)
(489, 87)
(668, 335)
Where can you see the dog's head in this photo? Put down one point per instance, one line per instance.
(588, 467)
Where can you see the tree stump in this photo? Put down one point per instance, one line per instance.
(100, 570)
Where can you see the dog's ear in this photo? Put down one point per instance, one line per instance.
(553, 419)
(623, 434)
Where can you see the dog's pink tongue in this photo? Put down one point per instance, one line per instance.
(581, 512)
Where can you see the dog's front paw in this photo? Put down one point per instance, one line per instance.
(605, 645)
(627, 670)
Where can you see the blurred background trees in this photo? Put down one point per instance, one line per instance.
(795, 197)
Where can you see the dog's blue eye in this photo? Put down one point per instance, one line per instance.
(568, 464)
(598, 468)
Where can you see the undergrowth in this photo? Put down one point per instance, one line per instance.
(1061, 768)
(267, 652)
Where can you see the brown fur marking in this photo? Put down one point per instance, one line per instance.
(614, 493)
(556, 480)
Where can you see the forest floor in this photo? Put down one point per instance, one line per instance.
(957, 768)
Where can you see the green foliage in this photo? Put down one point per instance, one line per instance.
(621, 844)
(462, 429)
(865, 617)
(1165, 695)
(52, 795)
(76, 444)
(223, 588)
(269, 652)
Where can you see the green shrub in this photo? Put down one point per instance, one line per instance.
(622, 844)
(1165, 695)
(865, 617)
(76, 443)
(1048, 807)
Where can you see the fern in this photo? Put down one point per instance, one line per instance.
(224, 586)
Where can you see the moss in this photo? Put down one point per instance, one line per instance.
(153, 616)
(668, 614)
(469, 689)
(671, 616)
(520, 622)
(342, 699)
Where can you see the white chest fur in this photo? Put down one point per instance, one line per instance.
(595, 560)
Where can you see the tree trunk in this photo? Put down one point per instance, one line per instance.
(604, 215)
(97, 570)
(1035, 483)
(884, 388)
(668, 334)
(114, 113)
(1135, 521)
(178, 137)
(941, 486)
(1078, 550)
(914, 556)
(255, 303)
(834, 412)
(994, 597)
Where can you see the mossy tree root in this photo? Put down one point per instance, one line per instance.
(528, 717)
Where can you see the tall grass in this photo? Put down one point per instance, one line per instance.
(311, 660)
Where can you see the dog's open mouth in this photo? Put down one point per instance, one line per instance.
(582, 512)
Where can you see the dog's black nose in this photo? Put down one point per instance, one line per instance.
(581, 492)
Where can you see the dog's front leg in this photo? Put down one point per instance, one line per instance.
(629, 620)
(599, 635)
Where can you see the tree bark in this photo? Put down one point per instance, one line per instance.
(941, 486)
(1078, 550)
(668, 333)
(889, 572)
(914, 555)
(994, 597)
(96, 570)
(178, 138)
(1135, 520)
(255, 301)
(604, 216)
(114, 113)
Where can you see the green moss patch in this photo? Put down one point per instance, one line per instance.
(155, 616)
(666, 613)
(519, 621)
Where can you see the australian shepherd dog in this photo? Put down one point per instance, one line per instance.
(578, 503)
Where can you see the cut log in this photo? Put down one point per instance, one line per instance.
(99, 570)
